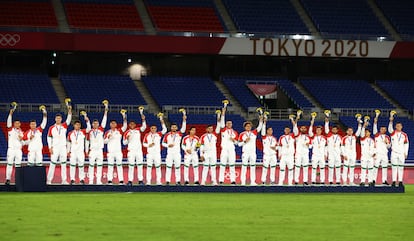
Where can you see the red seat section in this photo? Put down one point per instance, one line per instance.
(191, 19)
(27, 14)
(103, 16)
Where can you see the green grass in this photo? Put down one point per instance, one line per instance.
(184, 216)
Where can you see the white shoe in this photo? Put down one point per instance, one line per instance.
(159, 183)
(49, 183)
(98, 183)
(253, 184)
(243, 184)
(65, 182)
(203, 183)
(214, 184)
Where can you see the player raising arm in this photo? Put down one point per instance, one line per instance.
(382, 146)
(269, 153)
(302, 141)
(334, 153)
(348, 150)
(190, 146)
(152, 141)
(399, 151)
(33, 138)
(228, 150)
(15, 143)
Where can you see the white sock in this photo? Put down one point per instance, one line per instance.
(351, 174)
(290, 176)
(213, 174)
(400, 173)
(168, 174)
(120, 172)
(204, 174)
(313, 175)
(322, 176)
(99, 174)
(232, 173)
(272, 174)
(252, 174)
(243, 174)
(149, 174)
(177, 174)
(384, 174)
(337, 174)
(305, 173)
(140, 172)
(91, 174)
(281, 176)
(72, 172)
(9, 170)
(110, 172)
(345, 174)
(158, 173)
(63, 172)
(51, 172)
(130, 172)
(297, 173)
(221, 173)
(264, 174)
(196, 178)
(186, 173)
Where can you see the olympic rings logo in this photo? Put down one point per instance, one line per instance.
(227, 175)
(9, 39)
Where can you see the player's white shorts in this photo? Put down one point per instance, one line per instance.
(269, 160)
(397, 159)
(96, 157)
(286, 160)
(14, 156)
(77, 158)
(228, 157)
(35, 157)
(318, 161)
(381, 160)
(173, 159)
(302, 160)
(350, 162)
(191, 160)
(114, 158)
(249, 158)
(153, 160)
(210, 159)
(367, 163)
(135, 157)
(59, 154)
(334, 161)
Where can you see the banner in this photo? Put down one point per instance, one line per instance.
(408, 175)
(262, 89)
(305, 47)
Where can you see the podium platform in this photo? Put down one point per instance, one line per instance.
(31, 179)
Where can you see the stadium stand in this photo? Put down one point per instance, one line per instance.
(37, 88)
(27, 13)
(189, 15)
(103, 14)
(353, 17)
(92, 89)
(294, 94)
(399, 90)
(183, 91)
(253, 16)
(399, 14)
(335, 93)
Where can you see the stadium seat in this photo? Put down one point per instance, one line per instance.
(92, 89)
(400, 15)
(399, 90)
(36, 14)
(263, 16)
(353, 17)
(187, 16)
(94, 14)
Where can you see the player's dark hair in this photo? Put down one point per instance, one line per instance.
(58, 114)
(229, 120)
(16, 120)
(335, 127)
(32, 120)
(287, 127)
(209, 125)
(76, 122)
(174, 124)
(112, 121)
(349, 127)
(247, 123)
(191, 127)
(398, 123)
(132, 121)
(153, 125)
(318, 127)
(269, 128)
(95, 120)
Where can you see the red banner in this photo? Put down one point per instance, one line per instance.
(262, 89)
(408, 174)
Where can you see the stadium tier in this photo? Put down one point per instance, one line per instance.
(106, 14)
(399, 14)
(294, 94)
(37, 14)
(183, 91)
(352, 17)
(399, 90)
(335, 93)
(277, 16)
(92, 89)
(37, 88)
(189, 15)
(239, 89)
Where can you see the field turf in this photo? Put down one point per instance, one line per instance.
(198, 216)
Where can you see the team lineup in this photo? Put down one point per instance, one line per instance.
(330, 150)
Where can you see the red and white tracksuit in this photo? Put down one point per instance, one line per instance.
(269, 156)
(286, 148)
(208, 150)
(368, 152)
(334, 155)
(302, 142)
(14, 150)
(56, 140)
(95, 143)
(399, 152)
(132, 138)
(33, 139)
(173, 153)
(189, 146)
(228, 153)
(112, 139)
(76, 148)
(154, 154)
(319, 156)
(249, 154)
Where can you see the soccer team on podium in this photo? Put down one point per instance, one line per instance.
(291, 149)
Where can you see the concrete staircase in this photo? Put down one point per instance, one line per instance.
(305, 17)
(380, 15)
(308, 95)
(145, 18)
(152, 105)
(61, 16)
(59, 89)
(235, 105)
(228, 22)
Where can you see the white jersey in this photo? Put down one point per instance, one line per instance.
(334, 144)
(348, 146)
(367, 148)
(113, 138)
(190, 143)
(95, 139)
(250, 146)
(173, 138)
(319, 146)
(153, 138)
(286, 145)
(57, 135)
(76, 141)
(269, 145)
(382, 144)
(302, 141)
(226, 139)
(33, 138)
(132, 138)
(15, 138)
(208, 143)
(399, 143)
